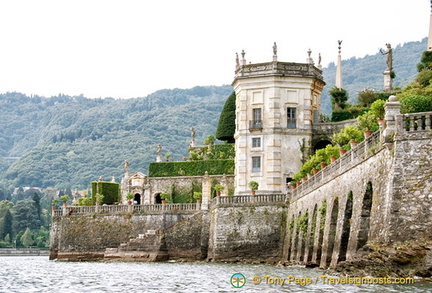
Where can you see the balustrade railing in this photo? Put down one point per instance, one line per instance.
(354, 156)
(113, 209)
(246, 199)
(414, 122)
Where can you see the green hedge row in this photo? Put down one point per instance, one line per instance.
(341, 115)
(110, 191)
(191, 168)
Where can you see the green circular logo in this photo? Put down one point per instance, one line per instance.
(238, 280)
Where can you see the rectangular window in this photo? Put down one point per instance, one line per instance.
(256, 122)
(291, 115)
(256, 164)
(256, 142)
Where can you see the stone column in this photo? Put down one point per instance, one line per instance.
(392, 108)
(206, 191)
(224, 183)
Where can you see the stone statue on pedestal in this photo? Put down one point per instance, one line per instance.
(389, 54)
(193, 133)
(158, 152)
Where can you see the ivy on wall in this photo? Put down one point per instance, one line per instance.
(191, 168)
(110, 191)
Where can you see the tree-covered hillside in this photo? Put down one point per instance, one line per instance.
(67, 142)
(367, 72)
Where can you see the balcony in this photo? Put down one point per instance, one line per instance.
(255, 125)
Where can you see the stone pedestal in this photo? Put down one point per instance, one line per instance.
(158, 158)
(387, 81)
(392, 108)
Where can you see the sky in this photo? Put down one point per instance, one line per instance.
(132, 48)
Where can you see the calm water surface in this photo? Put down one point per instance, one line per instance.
(38, 274)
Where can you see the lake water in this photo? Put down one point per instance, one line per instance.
(38, 274)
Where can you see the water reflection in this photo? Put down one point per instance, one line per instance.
(38, 274)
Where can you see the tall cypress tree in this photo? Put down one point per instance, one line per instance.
(226, 126)
(7, 225)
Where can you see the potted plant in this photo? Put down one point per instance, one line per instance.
(197, 195)
(253, 185)
(55, 203)
(367, 123)
(164, 197)
(377, 109)
(218, 187)
(65, 198)
(129, 197)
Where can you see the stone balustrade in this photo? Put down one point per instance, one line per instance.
(113, 209)
(247, 199)
(355, 156)
(414, 122)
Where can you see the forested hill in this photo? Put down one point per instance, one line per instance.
(68, 141)
(367, 72)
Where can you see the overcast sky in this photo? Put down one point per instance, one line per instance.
(131, 48)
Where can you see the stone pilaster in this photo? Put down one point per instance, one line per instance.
(392, 108)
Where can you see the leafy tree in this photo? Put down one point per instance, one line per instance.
(25, 216)
(339, 98)
(425, 61)
(366, 97)
(37, 207)
(27, 238)
(226, 126)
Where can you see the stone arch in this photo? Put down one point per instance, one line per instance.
(312, 234)
(346, 227)
(157, 198)
(322, 215)
(332, 230)
(137, 198)
(365, 216)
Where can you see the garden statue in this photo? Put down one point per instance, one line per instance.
(389, 54)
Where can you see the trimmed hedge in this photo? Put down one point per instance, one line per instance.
(110, 191)
(226, 126)
(341, 115)
(191, 168)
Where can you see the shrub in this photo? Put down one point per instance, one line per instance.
(416, 103)
(85, 201)
(253, 185)
(110, 190)
(368, 121)
(347, 134)
(377, 108)
(366, 96)
(341, 115)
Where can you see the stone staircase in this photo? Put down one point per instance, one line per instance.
(149, 247)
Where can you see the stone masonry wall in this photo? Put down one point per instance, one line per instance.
(87, 236)
(188, 239)
(247, 233)
(411, 214)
